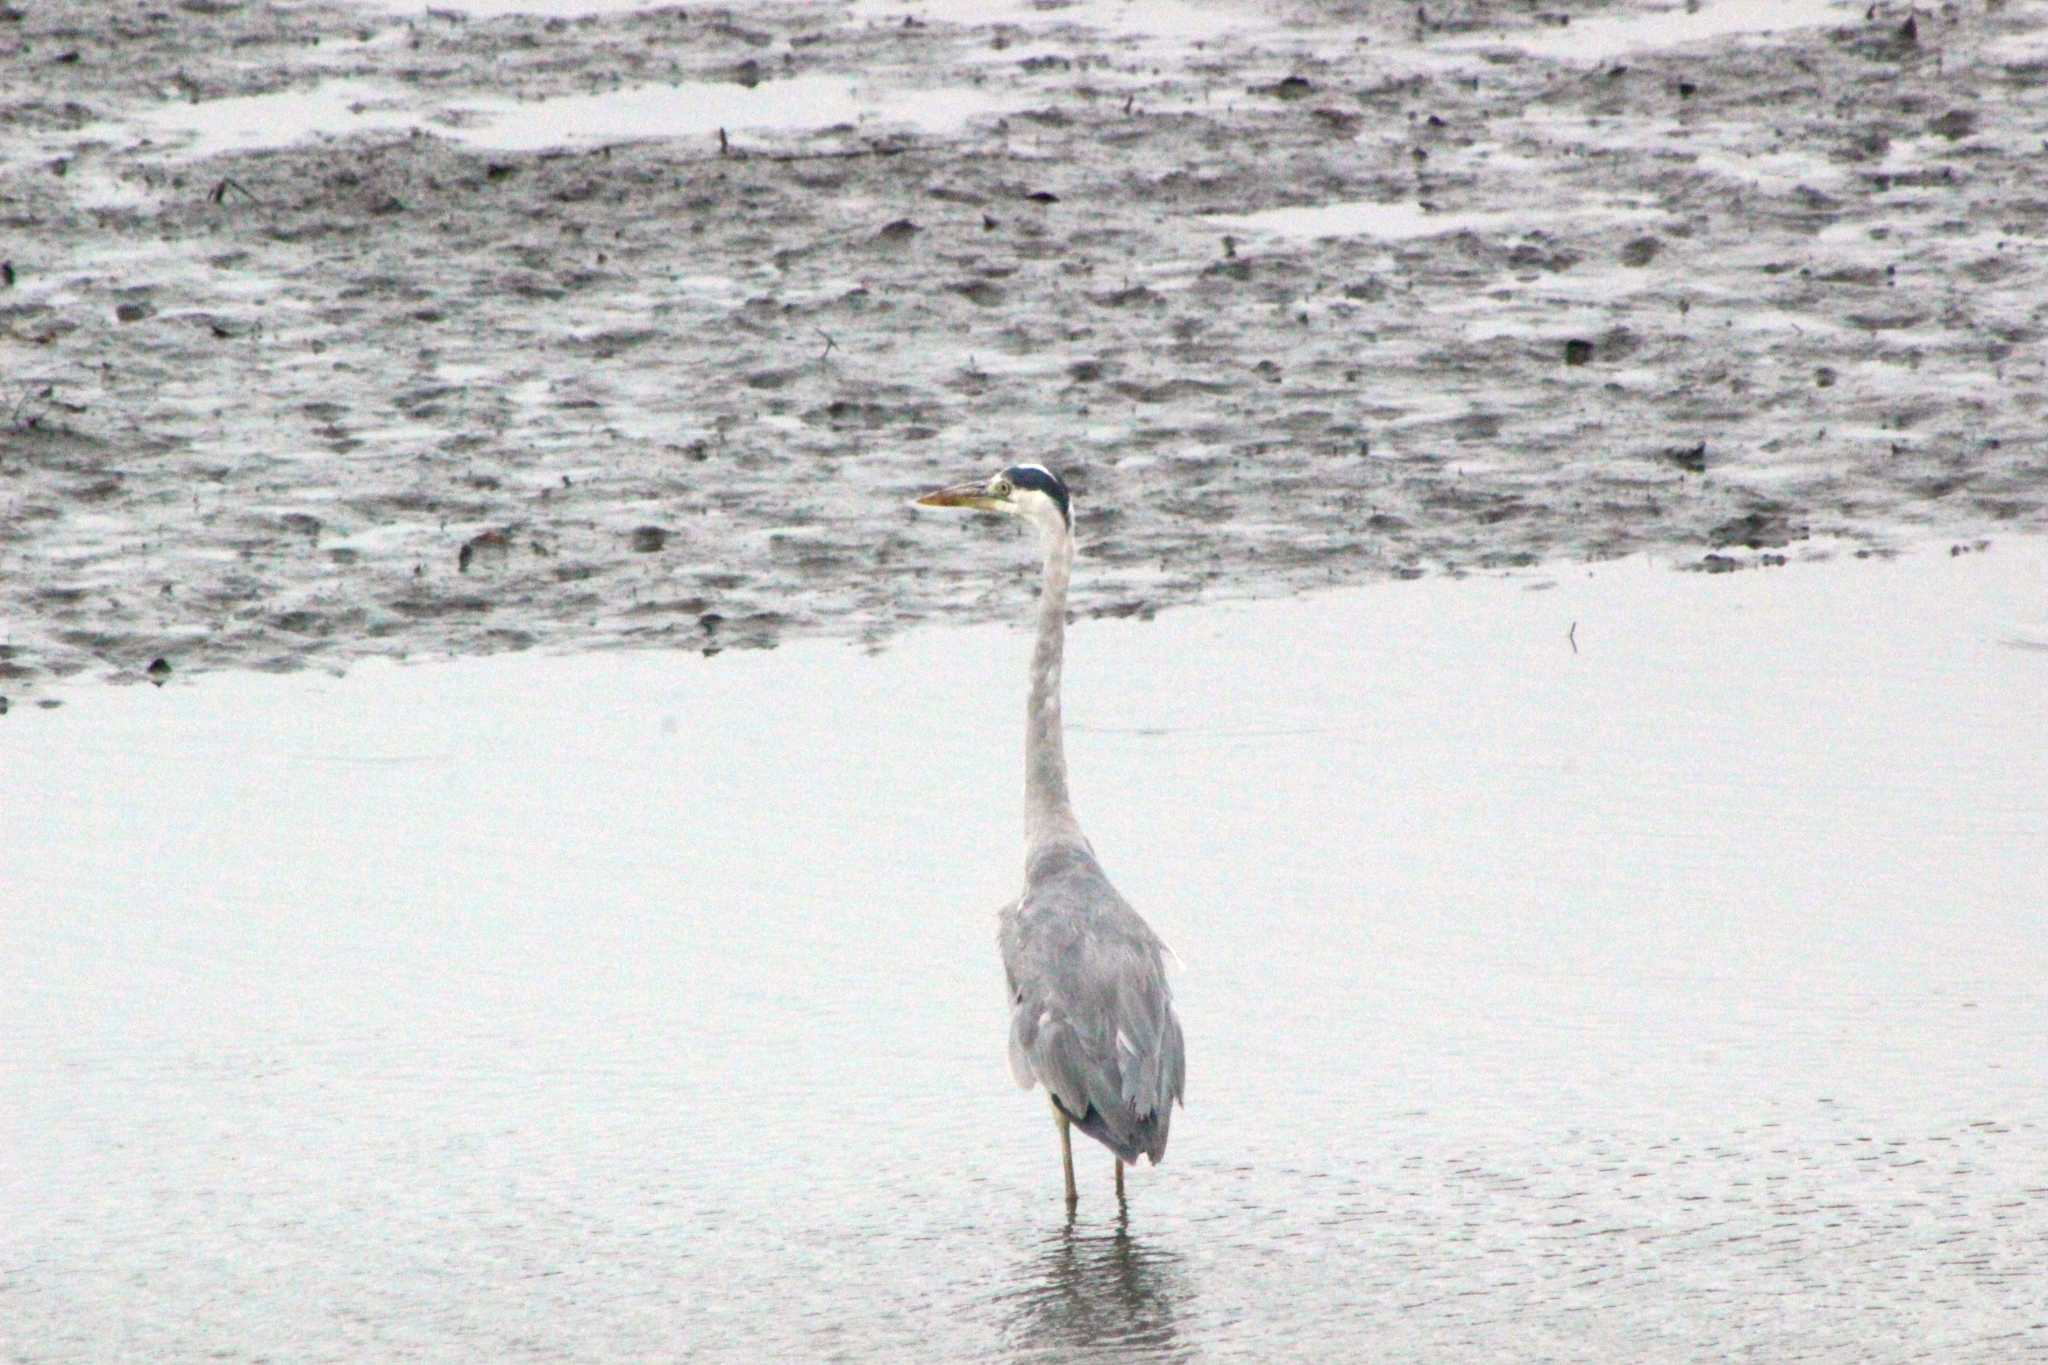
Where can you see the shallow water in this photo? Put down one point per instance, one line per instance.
(1614, 963)
(1605, 37)
(1398, 221)
(344, 108)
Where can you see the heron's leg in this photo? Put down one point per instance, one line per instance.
(1118, 1162)
(1066, 1154)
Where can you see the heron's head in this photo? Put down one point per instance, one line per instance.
(1030, 491)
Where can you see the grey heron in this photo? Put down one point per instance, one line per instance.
(1091, 1016)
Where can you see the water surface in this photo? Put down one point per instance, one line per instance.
(1618, 964)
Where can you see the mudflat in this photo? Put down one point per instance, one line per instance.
(336, 331)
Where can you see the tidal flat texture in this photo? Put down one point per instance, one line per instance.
(339, 331)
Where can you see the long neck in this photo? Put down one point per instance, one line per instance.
(1048, 813)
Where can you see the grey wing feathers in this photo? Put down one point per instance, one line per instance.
(1092, 1016)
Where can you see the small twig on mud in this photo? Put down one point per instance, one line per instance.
(228, 182)
(724, 147)
(1129, 100)
(1573, 636)
(830, 344)
(28, 391)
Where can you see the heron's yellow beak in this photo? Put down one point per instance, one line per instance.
(973, 495)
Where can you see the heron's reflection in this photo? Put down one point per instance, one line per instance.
(1085, 1289)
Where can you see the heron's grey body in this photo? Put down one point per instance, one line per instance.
(1091, 1016)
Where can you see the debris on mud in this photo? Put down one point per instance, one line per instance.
(1692, 459)
(485, 550)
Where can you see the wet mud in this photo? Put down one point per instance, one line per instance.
(434, 376)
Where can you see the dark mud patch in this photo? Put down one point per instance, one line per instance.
(273, 403)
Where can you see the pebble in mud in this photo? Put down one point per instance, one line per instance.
(648, 540)
(1640, 252)
(159, 671)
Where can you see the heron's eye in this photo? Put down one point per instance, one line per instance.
(1001, 488)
